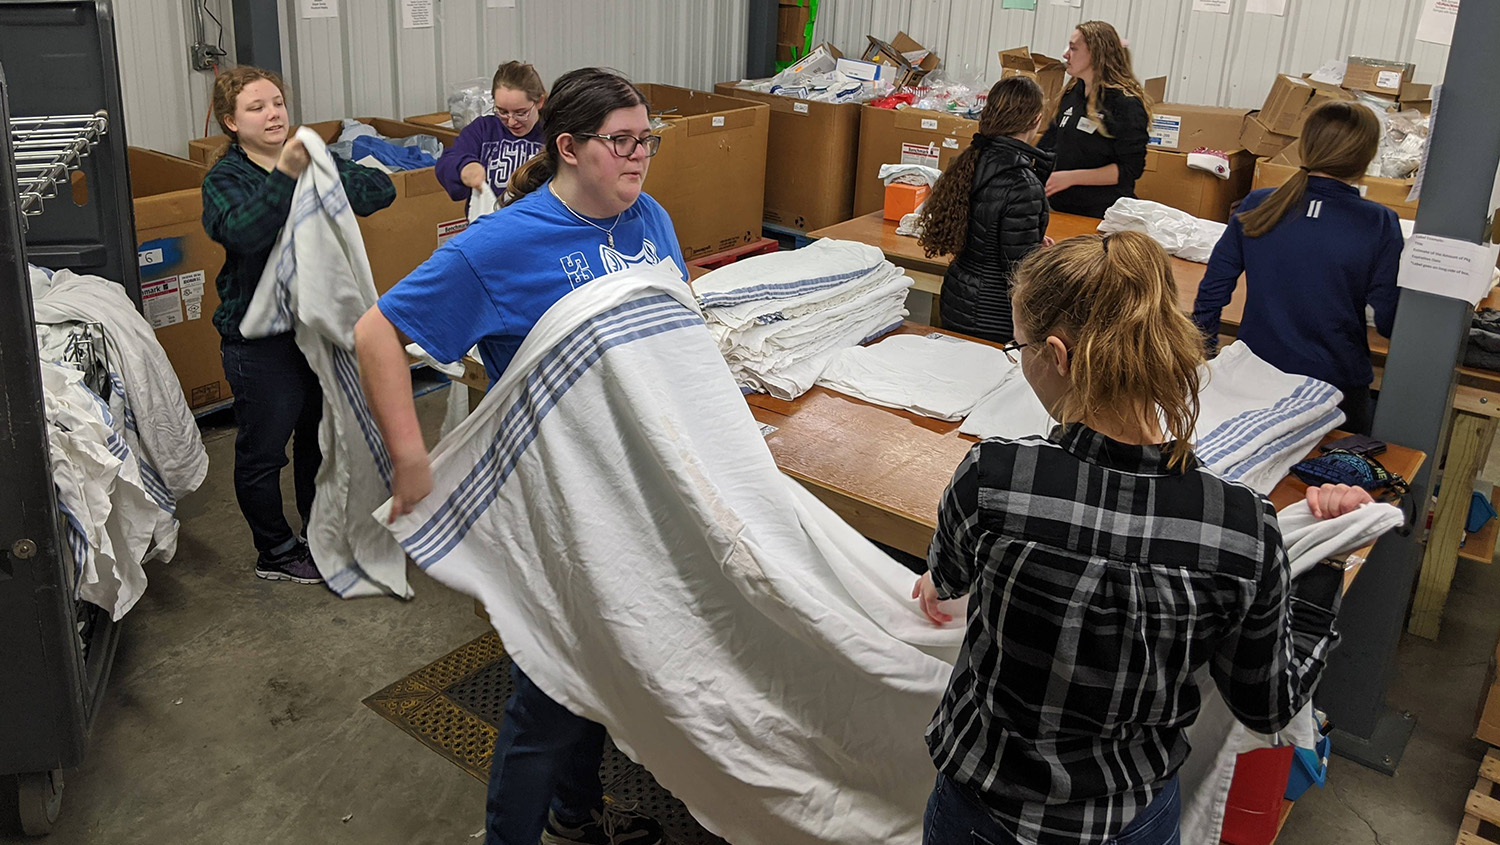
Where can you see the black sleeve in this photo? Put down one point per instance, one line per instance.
(1020, 229)
(1127, 123)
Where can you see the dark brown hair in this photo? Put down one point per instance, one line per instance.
(1013, 107)
(1133, 353)
(520, 76)
(581, 101)
(1110, 59)
(1340, 139)
(227, 87)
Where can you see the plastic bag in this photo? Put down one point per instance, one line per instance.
(909, 174)
(470, 100)
(1179, 233)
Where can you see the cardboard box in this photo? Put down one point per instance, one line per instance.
(438, 120)
(1377, 76)
(904, 136)
(1416, 96)
(861, 70)
(1259, 140)
(894, 55)
(1488, 728)
(811, 150)
(1048, 73)
(1156, 89)
(1288, 99)
(901, 200)
(401, 236)
(179, 264)
(1169, 181)
(1390, 193)
(710, 173)
(1186, 128)
(791, 24)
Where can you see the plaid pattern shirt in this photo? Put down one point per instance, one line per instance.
(244, 208)
(1101, 580)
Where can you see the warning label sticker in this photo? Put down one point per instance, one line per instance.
(161, 302)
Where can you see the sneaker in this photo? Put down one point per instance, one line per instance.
(295, 565)
(613, 824)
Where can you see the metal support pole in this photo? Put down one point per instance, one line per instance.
(257, 34)
(1416, 394)
(760, 47)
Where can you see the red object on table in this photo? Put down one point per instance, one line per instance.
(1253, 815)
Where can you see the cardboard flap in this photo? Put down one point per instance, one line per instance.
(1156, 89)
(933, 121)
(1017, 58)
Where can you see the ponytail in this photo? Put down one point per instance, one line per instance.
(1013, 106)
(531, 175)
(1340, 139)
(1133, 353)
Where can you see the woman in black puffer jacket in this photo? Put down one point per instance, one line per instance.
(989, 209)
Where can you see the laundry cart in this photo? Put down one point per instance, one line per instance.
(65, 204)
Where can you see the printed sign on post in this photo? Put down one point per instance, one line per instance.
(1447, 267)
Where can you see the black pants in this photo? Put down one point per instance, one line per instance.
(276, 395)
(1358, 408)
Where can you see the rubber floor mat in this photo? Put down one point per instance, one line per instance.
(455, 704)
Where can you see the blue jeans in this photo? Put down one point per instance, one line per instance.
(276, 395)
(955, 817)
(545, 758)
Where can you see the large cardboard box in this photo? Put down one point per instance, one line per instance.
(893, 54)
(179, 263)
(1288, 99)
(1390, 193)
(1185, 128)
(1256, 137)
(1047, 71)
(811, 152)
(438, 123)
(904, 136)
(405, 234)
(710, 173)
(1377, 76)
(1169, 181)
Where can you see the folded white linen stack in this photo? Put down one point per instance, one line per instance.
(1254, 420)
(935, 375)
(780, 318)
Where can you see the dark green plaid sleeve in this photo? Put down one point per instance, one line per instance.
(243, 207)
(368, 189)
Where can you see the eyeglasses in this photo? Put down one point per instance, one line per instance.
(519, 116)
(624, 145)
(1014, 346)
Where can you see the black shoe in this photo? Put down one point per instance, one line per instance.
(612, 824)
(295, 565)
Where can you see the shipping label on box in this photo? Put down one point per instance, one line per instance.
(191, 287)
(161, 302)
(1166, 130)
(926, 155)
(448, 228)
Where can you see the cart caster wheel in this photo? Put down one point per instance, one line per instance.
(39, 800)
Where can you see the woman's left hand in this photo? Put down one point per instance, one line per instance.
(925, 592)
(1334, 500)
(1046, 241)
(1059, 181)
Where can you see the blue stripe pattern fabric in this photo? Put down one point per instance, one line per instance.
(1240, 430)
(558, 371)
(346, 370)
(788, 290)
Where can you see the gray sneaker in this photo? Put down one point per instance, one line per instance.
(296, 565)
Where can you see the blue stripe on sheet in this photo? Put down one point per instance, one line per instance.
(346, 373)
(783, 290)
(1242, 429)
(78, 544)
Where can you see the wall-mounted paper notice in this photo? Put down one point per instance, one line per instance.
(1447, 267)
(416, 14)
(502, 4)
(1218, 7)
(1436, 23)
(1266, 7)
(319, 8)
(1018, 4)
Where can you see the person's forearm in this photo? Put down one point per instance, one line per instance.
(1109, 174)
(385, 375)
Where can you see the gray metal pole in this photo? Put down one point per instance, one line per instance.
(257, 34)
(760, 40)
(1416, 392)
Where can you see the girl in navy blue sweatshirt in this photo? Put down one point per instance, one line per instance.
(1314, 254)
(496, 145)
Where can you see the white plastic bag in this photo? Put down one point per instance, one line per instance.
(470, 100)
(1179, 233)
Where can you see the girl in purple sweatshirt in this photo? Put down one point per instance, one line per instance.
(496, 145)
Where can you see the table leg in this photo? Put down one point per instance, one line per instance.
(1468, 446)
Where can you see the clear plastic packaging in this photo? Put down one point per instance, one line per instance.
(470, 100)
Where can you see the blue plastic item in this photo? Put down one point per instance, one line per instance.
(1480, 512)
(1309, 769)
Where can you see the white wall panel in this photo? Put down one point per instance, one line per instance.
(165, 100)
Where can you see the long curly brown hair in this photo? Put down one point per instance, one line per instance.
(1110, 59)
(1013, 107)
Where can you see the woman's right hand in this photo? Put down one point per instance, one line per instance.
(925, 592)
(472, 175)
(411, 482)
(294, 158)
(1331, 501)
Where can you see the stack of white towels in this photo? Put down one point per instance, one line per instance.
(1254, 423)
(780, 318)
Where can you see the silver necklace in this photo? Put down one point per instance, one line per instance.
(608, 233)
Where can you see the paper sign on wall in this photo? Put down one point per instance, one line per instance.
(1018, 4)
(502, 4)
(1074, 3)
(1218, 7)
(1436, 23)
(1447, 267)
(416, 14)
(319, 8)
(1266, 7)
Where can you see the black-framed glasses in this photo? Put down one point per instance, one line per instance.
(1012, 350)
(624, 145)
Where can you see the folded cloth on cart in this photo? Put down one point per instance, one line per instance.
(935, 375)
(613, 504)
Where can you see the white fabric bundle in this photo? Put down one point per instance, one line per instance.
(1254, 421)
(1179, 233)
(318, 283)
(937, 375)
(613, 504)
(780, 318)
(482, 201)
(910, 174)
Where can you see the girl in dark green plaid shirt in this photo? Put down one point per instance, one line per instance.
(1104, 566)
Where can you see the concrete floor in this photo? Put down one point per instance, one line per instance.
(234, 715)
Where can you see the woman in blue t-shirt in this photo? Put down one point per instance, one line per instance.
(1314, 253)
(576, 213)
(495, 146)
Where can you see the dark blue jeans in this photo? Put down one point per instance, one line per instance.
(545, 758)
(276, 396)
(955, 817)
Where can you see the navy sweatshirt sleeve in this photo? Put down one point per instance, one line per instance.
(1382, 294)
(1219, 281)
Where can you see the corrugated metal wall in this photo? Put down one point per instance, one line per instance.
(1208, 58)
(364, 63)
(165, 100)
